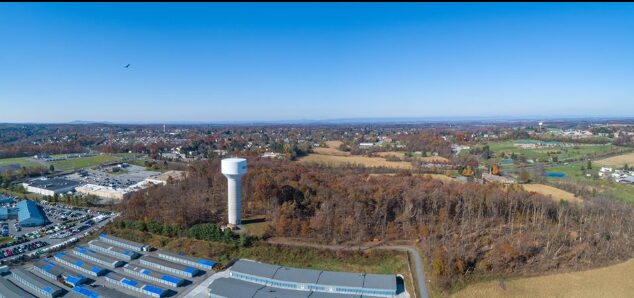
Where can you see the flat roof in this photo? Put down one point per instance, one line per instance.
(155, 274)
(7, 287)
(231, 287)
(183, 256)
(333, 295)
(83, 251)
(172, 265)
(297, 275)
(35, 280)
(135, 283)
(120, 240)
(255, 268)
(112, 247)
(49, 267)
(270, 292)
(380, 281)
(95, 292)
(53, 184)
(78, 262)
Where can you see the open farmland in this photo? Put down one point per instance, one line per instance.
(617, 161)
(555, 193)
(20, 161)
(335, 161)
(611, 281)
(562, 151)
(401, 155)
(330, 151)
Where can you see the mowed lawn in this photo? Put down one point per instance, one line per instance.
(83, 162)
(611, 281)
(617, 161)
(21, 161)
(555, 193)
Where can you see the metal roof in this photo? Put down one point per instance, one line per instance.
(380, 281)
(332, 295)
(11, 290)
(30, 213)
(185, 257)
(79, 263)
(121, 241)
(113, 248)
(230, 287)
(297, 275)
(96, 292)
(255, 268)
(83, 251)
(49, 267)
(270, 292)
(172, 265)
(345, 279)
(36, 280)
(155, 274)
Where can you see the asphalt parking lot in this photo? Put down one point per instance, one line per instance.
(122, 178)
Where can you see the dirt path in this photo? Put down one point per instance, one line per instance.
(419, 275)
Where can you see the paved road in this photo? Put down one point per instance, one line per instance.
(412, 251)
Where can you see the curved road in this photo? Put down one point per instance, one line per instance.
(412, 251)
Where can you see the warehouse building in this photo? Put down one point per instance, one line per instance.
(79, 265)
(35, 284)
(135, 285)
(96, 292)
(30, 214)
(123, 243)
(97, 258)
(187, 260)
(168, 266)
(381, 285)
(48, 269)
(154, 276)
(114, 251)
(10, 290)
(50, 187)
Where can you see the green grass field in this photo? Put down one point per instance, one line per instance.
(21, 161)
(83, 162)
(544, 155)
(574, 174)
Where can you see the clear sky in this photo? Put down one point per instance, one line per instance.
(237, 62)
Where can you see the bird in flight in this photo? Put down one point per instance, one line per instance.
(127, 66)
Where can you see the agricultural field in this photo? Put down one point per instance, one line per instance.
(401, 155)
(84, 162)
(617, 161)
(555, 193)
(335, 161)
(611, 281)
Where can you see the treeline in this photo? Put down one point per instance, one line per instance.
(206, 231)
(466, 230)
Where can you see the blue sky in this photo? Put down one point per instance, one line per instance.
(250, 62)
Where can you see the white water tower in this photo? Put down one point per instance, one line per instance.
(233, 168)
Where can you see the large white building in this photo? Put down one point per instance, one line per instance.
(50, 187)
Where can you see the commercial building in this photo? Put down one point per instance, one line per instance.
(380, 285)
(135, 285)
(50, 187)
(168, 266)
(10, 290)
(8, 213)
(123, 243)
(30, 214)
(167, 177)
(154, 276)
(48, 269)
(186, 260)
(97, 258)
(79, 265)
(96, 292)
(114, 251)
(35, 284)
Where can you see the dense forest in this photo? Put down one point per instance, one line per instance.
(465, 229)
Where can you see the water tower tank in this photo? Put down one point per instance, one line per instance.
(233, 168)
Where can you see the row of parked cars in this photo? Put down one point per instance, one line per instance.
(5, 253)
